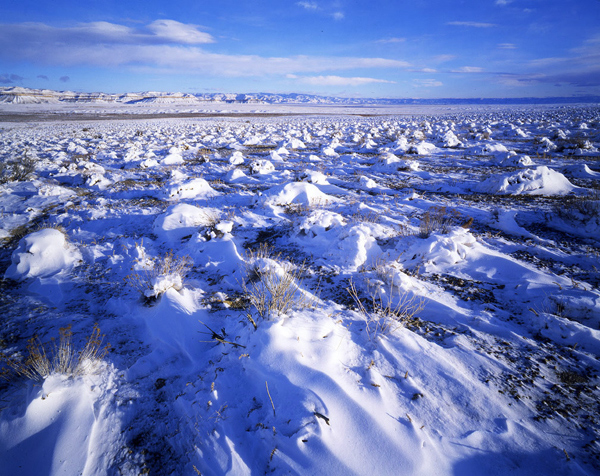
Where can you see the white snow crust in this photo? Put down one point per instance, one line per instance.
(472, 232)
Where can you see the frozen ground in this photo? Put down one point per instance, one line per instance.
(438, 272)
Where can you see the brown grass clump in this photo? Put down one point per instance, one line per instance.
(62, 358)
(274, 287)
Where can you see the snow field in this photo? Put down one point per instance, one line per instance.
(169, 234)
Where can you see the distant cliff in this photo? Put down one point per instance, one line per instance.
(18, 95)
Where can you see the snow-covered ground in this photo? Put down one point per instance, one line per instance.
(311, 294)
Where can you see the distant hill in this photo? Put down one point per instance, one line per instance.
(19, 95)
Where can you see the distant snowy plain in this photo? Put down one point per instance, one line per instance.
(485, 219)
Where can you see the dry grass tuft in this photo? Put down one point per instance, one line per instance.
(63, 359)
(386, 309)
(579, 208)
(274, 286)
(160, 274)
(17, 170)
(437, 219)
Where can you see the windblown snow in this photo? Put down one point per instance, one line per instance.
(317, 294)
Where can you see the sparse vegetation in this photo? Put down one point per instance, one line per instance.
(62, 358)
(274, 286)
(17, 170)
(437, 220)
(156, 275)
(579, 208)
(386, 308)
(193, 385)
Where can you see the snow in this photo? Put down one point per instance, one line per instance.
(533, 181)
(193, 188)
(158, 230)
(42, 254)
(181, 220)
(296, 192)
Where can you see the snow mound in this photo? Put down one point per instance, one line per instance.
(147, 163)
(60, 415)
(400, 146)
(181, 220)
(489, 149)
(221, 256)
(294, 144)
(42, 254)
(326, 234)
(261, 166)
(388, 162)
(319, 223)
(237, 158)
(195, 188)
(366, 182)
(449, 140)
(314, 176)
(513, 160)
(440, 251)
(173, 157)
(296, 192)
(536, 181)
(235, 175)
(355, 246)
(423, 148)
(581, 171)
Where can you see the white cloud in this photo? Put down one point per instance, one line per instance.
(101, 30)
(507, 46)
(157, 32)
(391, 40)
(338, 80)
(173, 31)
(308, 5)
(163, 45)
(338, 16)
(468, 69)
(473, 24)
(443, 58)
(427, 83)
(503, 2)
(178, 59)
(580, 69)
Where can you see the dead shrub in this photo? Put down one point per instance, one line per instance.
(274, 286)
(159, 274)
(438, 219)
(62, 359)
(385, 309)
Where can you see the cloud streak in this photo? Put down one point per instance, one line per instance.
(473, 24)
(308, 5)
(157, 32)
(337, 80)
(391, 40)
(468, 70)
(427, 83)
(170, 46)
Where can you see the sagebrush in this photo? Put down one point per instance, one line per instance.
(437, 219)
(159, 274)
(273, 285)
(385, 309)
(62, 357)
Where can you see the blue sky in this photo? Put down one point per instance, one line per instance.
(375, 48)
